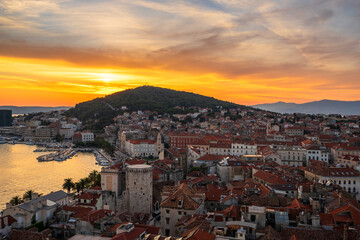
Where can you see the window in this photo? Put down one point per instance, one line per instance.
(253, 218)
(167, 220)
(179, 212)
(167, 211)
(167, 232)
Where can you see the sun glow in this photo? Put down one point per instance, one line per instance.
(109, 77)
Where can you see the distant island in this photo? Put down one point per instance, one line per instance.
(316, 107)
(32, 109)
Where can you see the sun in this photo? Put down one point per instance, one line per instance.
(107, 77)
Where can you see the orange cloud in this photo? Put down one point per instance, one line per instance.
(250, 52)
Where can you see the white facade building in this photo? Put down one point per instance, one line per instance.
(87, 136)
(238, 149)
(67, 133)
(144, 148)
(317, 154)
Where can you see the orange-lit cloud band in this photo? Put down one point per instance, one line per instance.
(63, 52)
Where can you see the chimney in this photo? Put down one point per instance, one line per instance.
(6, 220)
(39, 204)
(32, 207)
(8, 205)
(34, 196)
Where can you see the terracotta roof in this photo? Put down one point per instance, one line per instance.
(132, 235)
(352, 212)
(334, 171)
(17, 234)
(95, 215)
(296, 204)
(350, 158)
(184, 194)
(232, 212)
(10, 220)
(214, 194)
(149, 229)
(140, 141)
(134, 161)
(326, 219)
(269, 178)
(211, 157)
(199, 234)
(87, 196)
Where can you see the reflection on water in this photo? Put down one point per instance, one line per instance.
(20, 171)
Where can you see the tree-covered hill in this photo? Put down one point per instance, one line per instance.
(151, 98)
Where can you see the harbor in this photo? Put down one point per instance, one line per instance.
(61, 155)
(60, 152)
(21, 171)
(102, 158)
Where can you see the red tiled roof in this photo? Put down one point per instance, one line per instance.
(211, 157)
(214, 194)
(354, 213)
(134, 161)
(95, 215)
(326, 219)
(132, 235)
(149, 229)
(269, 178)
(296, 204)
(140, 141)
(334, 171)
(184, 194)
(199, 234)
(10, 220)
(87, 196)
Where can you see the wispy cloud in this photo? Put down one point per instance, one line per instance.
(268, 48)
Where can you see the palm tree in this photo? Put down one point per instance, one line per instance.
(87, 182)
(68, 184)
(82, 183)
(92, 177)
(77, 187)
(28, 194)
(98, 180)
(16, 200)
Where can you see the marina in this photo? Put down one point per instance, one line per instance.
(20, 171)
(60, 155)
(102, 158)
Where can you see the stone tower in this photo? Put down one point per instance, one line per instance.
(268, 127)
(160, 147)
(139, 188)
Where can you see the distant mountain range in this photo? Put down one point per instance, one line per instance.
(317, 107)
(32, 109)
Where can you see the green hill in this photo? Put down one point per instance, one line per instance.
(162, 100)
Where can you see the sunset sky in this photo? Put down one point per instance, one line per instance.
(61, 52)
